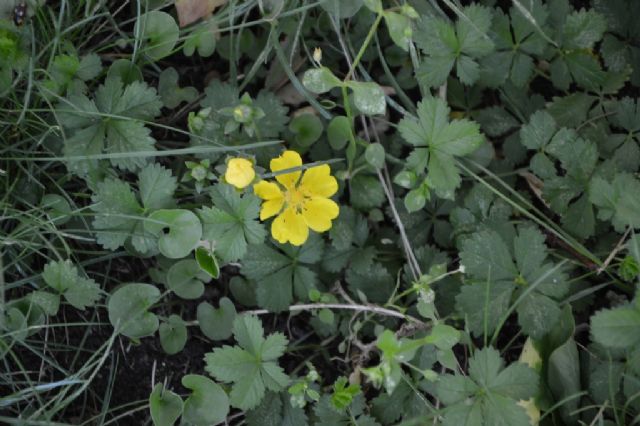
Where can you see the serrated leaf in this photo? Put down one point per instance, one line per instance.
(251, 367)
(111, 123)
(79, 291)
(232, 223)
(616, 328)
(156, 185)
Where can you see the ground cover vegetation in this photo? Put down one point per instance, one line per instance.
(299, 212)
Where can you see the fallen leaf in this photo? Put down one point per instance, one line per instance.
(189, 11)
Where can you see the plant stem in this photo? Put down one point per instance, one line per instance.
(364, 46)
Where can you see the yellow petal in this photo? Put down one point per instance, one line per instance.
(288, 160)
(267, 190)
(318, 213)
(317, 181)
(290, 227)
(271, 208)
(239, 172)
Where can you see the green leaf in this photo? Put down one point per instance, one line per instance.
(563, 376)
(617, 200)
(184, 231)
(343, 393)
(48, 302)
(486, 257)
(173, 335)
(307, 128)
(446, 45)
(583, 29)
(339, 132)
(208, 262)
(63, 277)
(117, 211)
(232, 223)
(278, 276)
(216, 324)
(128, 309)
(185, 279)
(251, 367)
(368, 97)
(616, 328)
(374, 154)
(157, 186)
(170, 92)
(112, 123)
(320, 80)
(165, 406)
(537, 133)
(399, 29)
(489, 395)
(444, 140)
(208, 403)
(160, 32)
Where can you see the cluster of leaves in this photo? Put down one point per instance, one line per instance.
(487, 159)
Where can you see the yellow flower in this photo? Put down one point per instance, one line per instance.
(240, 172)
(300, 201)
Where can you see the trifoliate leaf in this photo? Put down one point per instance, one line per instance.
(441, 141)
(489, 395)
(64, 278)
(499, 270)
(251, 367)
(112, 123)
(617, 200)
(279, 275)
(445, 45)
(232, 223)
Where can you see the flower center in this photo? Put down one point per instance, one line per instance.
(295, 198)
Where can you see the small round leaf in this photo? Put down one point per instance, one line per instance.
(374, 154)
(339, 132)
(185, 279)
(165, 406)
(128, 310)
(208, 404)
(173, 335)
(160, 31)
(184, 231)
(307, 128)
(217, 324)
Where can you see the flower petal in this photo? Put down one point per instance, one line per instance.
(239, 172)
(318, 182)
(267, 190)
(288, 160)
(271, 208)
(290, 226)
(318, 213)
